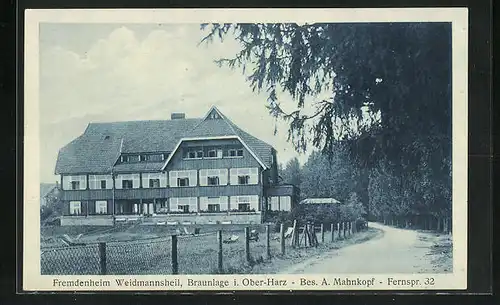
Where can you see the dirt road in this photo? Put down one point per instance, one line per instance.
(394, 251)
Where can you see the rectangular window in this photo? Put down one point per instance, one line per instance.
(199, 154)
(245, 203)
(184, 204)
(214, 207)
(274, 203)
(232, 153)
(101, 207)
(100, 182)
(131, 158)
(182, 181)
(128, 181)
(153, 158)
(183, 208)
(74, 182)
(75, 185)
(285, 203)
(191, 155)
(239, 153)
(183, 178)
(127, 184)
(154, 183)
(154, 180)
(212, 154)
(243, 179)
(213, 180)
(214, 204)
(213, 176)
(236, 173)
(75, 207)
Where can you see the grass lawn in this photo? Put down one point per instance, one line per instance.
(141, 249)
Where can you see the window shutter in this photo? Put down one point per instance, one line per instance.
(254, 176)
(254, 202)
(233, 204)
(203, 203)
(223, 176)
(83, 182)
(193, 179)
(223, 203)
(203, 177)
(233, 172)
(163, 180)
(145, 180)
(173, 179)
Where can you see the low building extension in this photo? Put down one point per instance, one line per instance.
(182, 170)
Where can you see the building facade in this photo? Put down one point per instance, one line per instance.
(204, 170)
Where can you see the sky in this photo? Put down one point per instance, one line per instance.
(122, 72)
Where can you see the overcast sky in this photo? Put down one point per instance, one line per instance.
(119, 72)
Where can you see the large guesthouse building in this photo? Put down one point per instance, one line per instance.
(182, 170)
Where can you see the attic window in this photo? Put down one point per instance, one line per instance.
(213, 115)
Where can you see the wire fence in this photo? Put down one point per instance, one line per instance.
(227, 252)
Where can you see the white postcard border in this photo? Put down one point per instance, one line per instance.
(33, 281)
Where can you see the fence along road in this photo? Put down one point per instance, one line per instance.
(396, 251)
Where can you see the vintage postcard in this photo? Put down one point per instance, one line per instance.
(246, 149)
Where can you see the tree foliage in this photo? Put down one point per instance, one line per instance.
(292, 172)
(389, 100)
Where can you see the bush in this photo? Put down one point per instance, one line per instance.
(320, 213)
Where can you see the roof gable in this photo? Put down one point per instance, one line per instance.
(100, 146)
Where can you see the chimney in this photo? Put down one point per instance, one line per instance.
(177, 116)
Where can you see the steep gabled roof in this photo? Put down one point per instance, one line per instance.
(99, 147)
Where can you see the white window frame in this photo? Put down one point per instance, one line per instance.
(205, 173)
(95, 182)
(274, 203)
(67, 180)
(75, 208)
(222, 201)
(285, 203)
(146, 177)
(101, 207)
(175, 202)
(208, 154)
(252, 200)
(136, 181)
(253, 172)
(191, 174)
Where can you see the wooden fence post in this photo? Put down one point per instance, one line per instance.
(219, 265)
(338, 230)
(268, 241)
(343, 229)
(322, 234)
(175, 265)
(282, 239)
(294, 240)
(247, 243)
(102, 258)
(332, 232)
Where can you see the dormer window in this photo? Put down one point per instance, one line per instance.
(191, 155)
(131, 158)
(239, 153)
(212, 153)
(199, 154)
